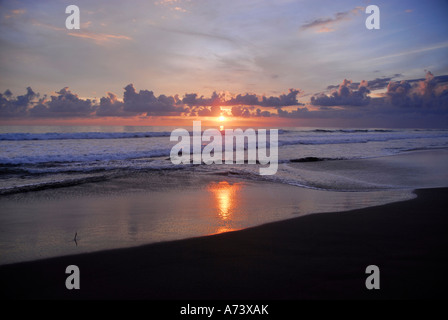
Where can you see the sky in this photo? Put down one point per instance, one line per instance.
(283, 62)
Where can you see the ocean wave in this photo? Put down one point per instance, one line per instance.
(309, 159)
(89, 135)
(348, 130)
(50, 185)
(358, 138)
(68, 158)
(50, 178)
(80, 135)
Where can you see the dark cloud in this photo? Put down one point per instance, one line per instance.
(298, 113)
(16, 107)
(284, 100)
(192, 100)
(213, 111)
(381, 83)
(110, 106)
(263, 113)
(344, 96)
(246, 100)
(436, 79)
(405, 103)
(416, 101)
(68, 104)
(146, 102)
(246, 112)
(376, 84)
(239, 111)
(143, 103)
(429, 94)
(63, 105)
(398, 93)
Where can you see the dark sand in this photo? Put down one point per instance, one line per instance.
(321, 256)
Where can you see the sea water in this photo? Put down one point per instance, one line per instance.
(116, 187)
(36, 156)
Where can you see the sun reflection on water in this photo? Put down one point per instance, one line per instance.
(225, 201)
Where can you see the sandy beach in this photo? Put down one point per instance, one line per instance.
(138, 208)
(320, 256)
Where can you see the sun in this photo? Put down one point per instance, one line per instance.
(222, 118)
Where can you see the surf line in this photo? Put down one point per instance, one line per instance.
(233, 147)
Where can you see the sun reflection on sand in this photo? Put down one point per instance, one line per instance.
(225, 201)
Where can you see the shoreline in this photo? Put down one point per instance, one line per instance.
(146, 208)
(318, 256)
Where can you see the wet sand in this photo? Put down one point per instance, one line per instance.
(148, 207)
(321, 256)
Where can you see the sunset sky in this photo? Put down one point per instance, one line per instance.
(284, 62)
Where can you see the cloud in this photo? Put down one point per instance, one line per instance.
(37, 23)
(18, 11)
(247, 99)
(417, 102)
(420, 49)
(213, 111)
(325, 29)
(420, 101)
(344, 96)
(64, 105)
(146, 102)
(16, 107)
(98, 38)
(110, 106)
(13, 13)
(298, 113)
(239, 111)
(328, 24)
(246, 112)
(263, 113)
(380, 83)
(428, 94)
(167, 2)
(191, 99)
(283, 100)
(376, 84)
(289, 99)
(171, 4)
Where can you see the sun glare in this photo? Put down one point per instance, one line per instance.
(225, 198)
(222, 118)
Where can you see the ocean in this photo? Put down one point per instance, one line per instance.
(116, 187)
(36, 157)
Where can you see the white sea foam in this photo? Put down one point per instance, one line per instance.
(355, 137)
(90, 157)
(79, 135)
(24, 154)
